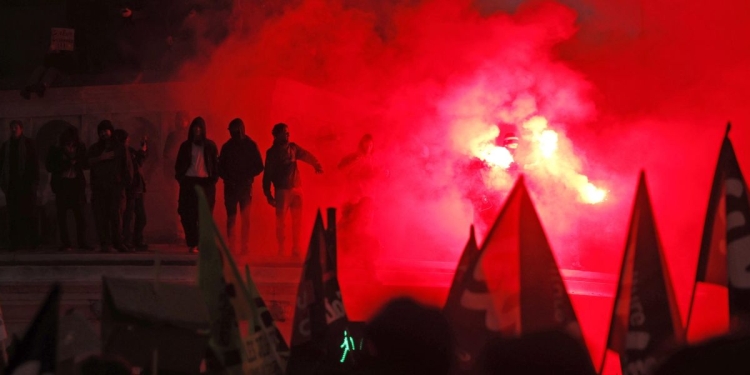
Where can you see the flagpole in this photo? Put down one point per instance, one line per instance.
(695, 283)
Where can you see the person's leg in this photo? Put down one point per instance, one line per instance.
(231, 199)
(62, 220)
(295, 205)
(187, 204)
(14, 221)
(80, 219)
(282, 204)
(127, 221)
(140, 220)
(100, 218)
(117, 199)
(245, 200)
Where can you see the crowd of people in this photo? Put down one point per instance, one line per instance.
(118, 185)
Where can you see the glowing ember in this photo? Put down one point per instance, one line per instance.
(495, 155)
(592, 194)
(548, 143)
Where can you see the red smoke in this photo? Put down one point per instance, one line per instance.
(627, 86)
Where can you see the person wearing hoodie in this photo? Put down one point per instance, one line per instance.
(239, 163)
(196, 165)
(66, 163)
(111, 174)
(281, 171)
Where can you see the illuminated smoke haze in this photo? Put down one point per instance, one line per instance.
(624, 85)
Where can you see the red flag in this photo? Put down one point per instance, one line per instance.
(645, 323)
(724, 257)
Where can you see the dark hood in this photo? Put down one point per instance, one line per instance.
(198, 121)
(239, 123)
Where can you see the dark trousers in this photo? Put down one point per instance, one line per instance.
(108, 207)
(21, 218)
(187, 205)
(134, 220)
(238, 194)
(70, 197)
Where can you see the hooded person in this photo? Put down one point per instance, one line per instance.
(111, 175)
(196, 165)
(239, 163)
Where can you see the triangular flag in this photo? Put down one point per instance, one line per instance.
(470, 253)
(321, 339)
(645, 325)
(724, 257)
(513, 286)
(36, 353)
(225, 346)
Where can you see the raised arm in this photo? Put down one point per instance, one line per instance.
(308, 158)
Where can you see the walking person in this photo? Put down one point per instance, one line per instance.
(19, 179)
(239, 163)
(196, 165)
(111, 174)
(281, 171)
(66, 163)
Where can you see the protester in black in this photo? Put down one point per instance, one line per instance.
(134, 217)
(66, 162)
(19, 179)
(196, 165)
(281, 171)
(239, 163)
(111, 174)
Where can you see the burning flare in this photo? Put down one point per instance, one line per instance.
(543, 156)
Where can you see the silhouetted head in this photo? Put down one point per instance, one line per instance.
(411, 338)
(104, 365)
(197, 131)
(105, 130)
(237, 128)
(121, 136)
(16, 129)
(280, 133)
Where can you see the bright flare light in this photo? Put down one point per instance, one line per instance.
(591, 194)
(547, 155)
(495, 155)
(548, 143)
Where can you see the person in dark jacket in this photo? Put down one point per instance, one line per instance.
(19, 179)
(197, 165)
(66, 163)
(111, 174)
(134, 217)
(281, 171)
(239, 163)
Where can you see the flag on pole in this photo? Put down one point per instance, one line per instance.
(225, 353)
(645, 325)
(513, 286)
(321, 337)
(36, 353)
(724, 257)
(470, 253)
(246, 330)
